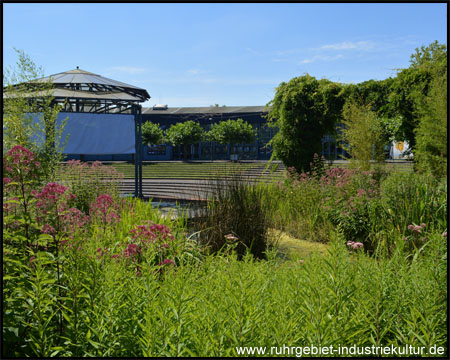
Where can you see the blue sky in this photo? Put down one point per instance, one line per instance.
(226, 54)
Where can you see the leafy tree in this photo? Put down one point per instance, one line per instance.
(26, 95)
(431, 133)
(376, 93)
(362, 133)
(185, 134)
(152, 134)
(232, 132)
(304, 110)
(412, 85)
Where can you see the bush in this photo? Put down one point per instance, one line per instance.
(88, 181)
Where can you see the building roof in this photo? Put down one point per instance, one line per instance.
(205, 110)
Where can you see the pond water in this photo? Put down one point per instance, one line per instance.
(177, 207)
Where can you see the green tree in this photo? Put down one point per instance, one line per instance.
(376, 93)
(232, 132)
(412, 85)
(362, 133)
(304, 110)
(431, 133)
(30, 114)
(185, 134)
(152, 134)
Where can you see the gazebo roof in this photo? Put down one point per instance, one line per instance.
(88, 92)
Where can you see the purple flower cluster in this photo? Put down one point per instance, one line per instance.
(355, 245)
(151, 233)
(166, 262)
(52, 195)
(20, 163)
(132, 252)
(417, 228)
(105, 208)
(54, 212)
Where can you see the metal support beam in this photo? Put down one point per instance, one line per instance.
(141, 150)
(136, 137)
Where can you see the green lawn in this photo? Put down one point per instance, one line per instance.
(161, 170)
(209, 170)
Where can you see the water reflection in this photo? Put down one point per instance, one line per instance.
(177, 207)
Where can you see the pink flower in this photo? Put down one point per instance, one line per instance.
(361, 192)
(166, 262)
(411, 227)
(73, 220)
(355, 245)
(32, 260)
(132, 251)
(417, 229)
(48, 229)
(151, 233)
(423, 225)
(20, 163)
(105, 208)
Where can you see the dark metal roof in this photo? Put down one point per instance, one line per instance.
(81, 82)
(79, 76)
(84, 91)
(206, 110)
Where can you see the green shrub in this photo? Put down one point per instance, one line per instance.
(88, 181)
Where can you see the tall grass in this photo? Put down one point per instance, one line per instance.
(209, 308)
(235, 217)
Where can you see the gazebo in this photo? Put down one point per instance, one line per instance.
(83, 92)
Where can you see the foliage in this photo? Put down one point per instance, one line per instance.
(185, 134)
(235, 217)
(362, 134)
(371, 207)
(129, 282)
(232, 132)
(373, 92)
(414, 198)
(413, 84)
(56, 258)
(88, 181)
(431, 133)
(152, 134)
(42, 136)
(304, 110)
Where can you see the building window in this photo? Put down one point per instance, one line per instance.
(156, 150)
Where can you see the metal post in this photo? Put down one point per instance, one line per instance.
(141, 150)
(136, 175)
